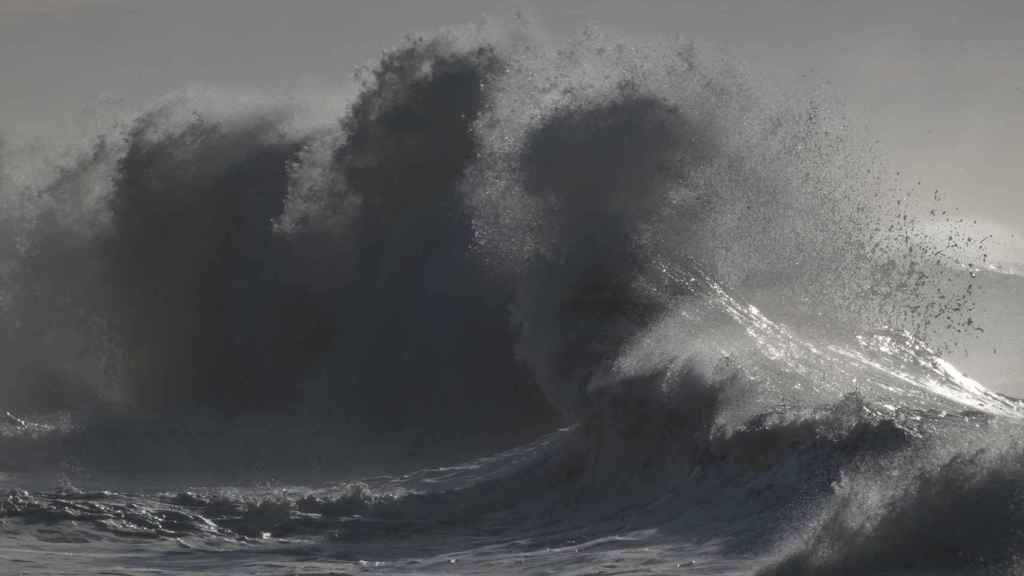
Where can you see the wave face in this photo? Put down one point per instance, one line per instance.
(714, 332)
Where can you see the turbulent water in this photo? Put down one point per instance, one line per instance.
(602, 307)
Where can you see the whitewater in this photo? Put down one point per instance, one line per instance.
(600, 307)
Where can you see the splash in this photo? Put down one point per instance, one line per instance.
(471, 248)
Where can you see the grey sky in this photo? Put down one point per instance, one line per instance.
(941, 82)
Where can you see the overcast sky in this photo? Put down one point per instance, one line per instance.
(941, 82)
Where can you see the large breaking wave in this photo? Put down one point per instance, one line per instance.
(736, 316)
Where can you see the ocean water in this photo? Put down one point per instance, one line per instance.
(594, 308)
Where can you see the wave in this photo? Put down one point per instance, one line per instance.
(731, 318)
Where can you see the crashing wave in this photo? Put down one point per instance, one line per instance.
(737, 327)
